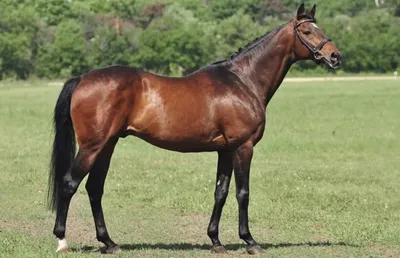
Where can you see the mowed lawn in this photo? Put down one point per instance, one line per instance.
(325, 181)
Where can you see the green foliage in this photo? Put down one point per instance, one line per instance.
(177, 38)
(54, 11)
(180, 46)
(369, 43)
(66, 55)
(107, 48)
(124, 8)
(17, 39)
(234, 32)
(222, 9)
(332, 8)
(58, 38)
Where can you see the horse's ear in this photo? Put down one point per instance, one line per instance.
(312, 12)
(301, 10)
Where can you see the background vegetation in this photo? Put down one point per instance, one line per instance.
(60, 38)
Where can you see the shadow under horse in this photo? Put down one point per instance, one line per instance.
(221, 107)
(189, 246)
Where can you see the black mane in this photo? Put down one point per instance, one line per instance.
(250, 46)
(256, 42)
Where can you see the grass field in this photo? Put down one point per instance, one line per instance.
(325, 181)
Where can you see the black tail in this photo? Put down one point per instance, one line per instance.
(64, 142)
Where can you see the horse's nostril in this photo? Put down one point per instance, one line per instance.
(335, 57)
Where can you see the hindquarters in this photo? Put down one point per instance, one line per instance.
(95, 106)
(100, 105)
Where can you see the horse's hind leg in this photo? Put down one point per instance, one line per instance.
(68, 186)
(95, 188)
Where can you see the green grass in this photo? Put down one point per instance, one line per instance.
(325, 181)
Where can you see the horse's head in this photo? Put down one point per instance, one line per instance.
(311, 42)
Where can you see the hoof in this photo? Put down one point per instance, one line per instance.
(255, 249)
(64, 249)
(62, 246)
(219, 249)
(110, 250)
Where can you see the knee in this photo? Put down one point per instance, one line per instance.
(221, 194)
(69, 186)
(242, 195)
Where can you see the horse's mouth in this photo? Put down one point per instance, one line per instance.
(329, 64)
(334, 65)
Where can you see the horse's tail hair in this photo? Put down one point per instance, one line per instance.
(64, 142)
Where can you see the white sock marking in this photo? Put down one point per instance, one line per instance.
(62, 244)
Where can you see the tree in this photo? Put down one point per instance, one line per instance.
(125, 9)
(176, 38)
(54, 11)
(65, 56)
(55, 38)
(17, 39)
(222, 9)
(107, 48)
(235, 32)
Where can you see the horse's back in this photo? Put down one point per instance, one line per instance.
(116, 73)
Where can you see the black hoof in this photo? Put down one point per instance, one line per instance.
(255, 249)
(110, 250)
(218, 249)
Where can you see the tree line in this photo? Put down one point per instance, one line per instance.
(61, 38)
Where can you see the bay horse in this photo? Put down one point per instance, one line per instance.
(221, 108)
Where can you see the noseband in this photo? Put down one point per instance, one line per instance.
(315, 50)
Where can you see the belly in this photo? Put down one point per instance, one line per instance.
(182, 141)
(196, 136)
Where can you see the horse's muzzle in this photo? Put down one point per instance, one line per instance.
(335, 60)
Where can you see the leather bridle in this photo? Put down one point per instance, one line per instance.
(315, 50)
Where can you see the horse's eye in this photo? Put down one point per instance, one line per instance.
(307, 32)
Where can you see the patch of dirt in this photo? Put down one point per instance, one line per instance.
(193, 227)
(22, 226)
(79, 230)
(384, 250)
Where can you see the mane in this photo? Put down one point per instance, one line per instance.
(252, 45)
(266, 37)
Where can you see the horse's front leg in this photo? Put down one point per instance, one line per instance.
(241, 164)
(224, 173)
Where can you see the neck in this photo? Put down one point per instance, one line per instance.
(263, 67)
